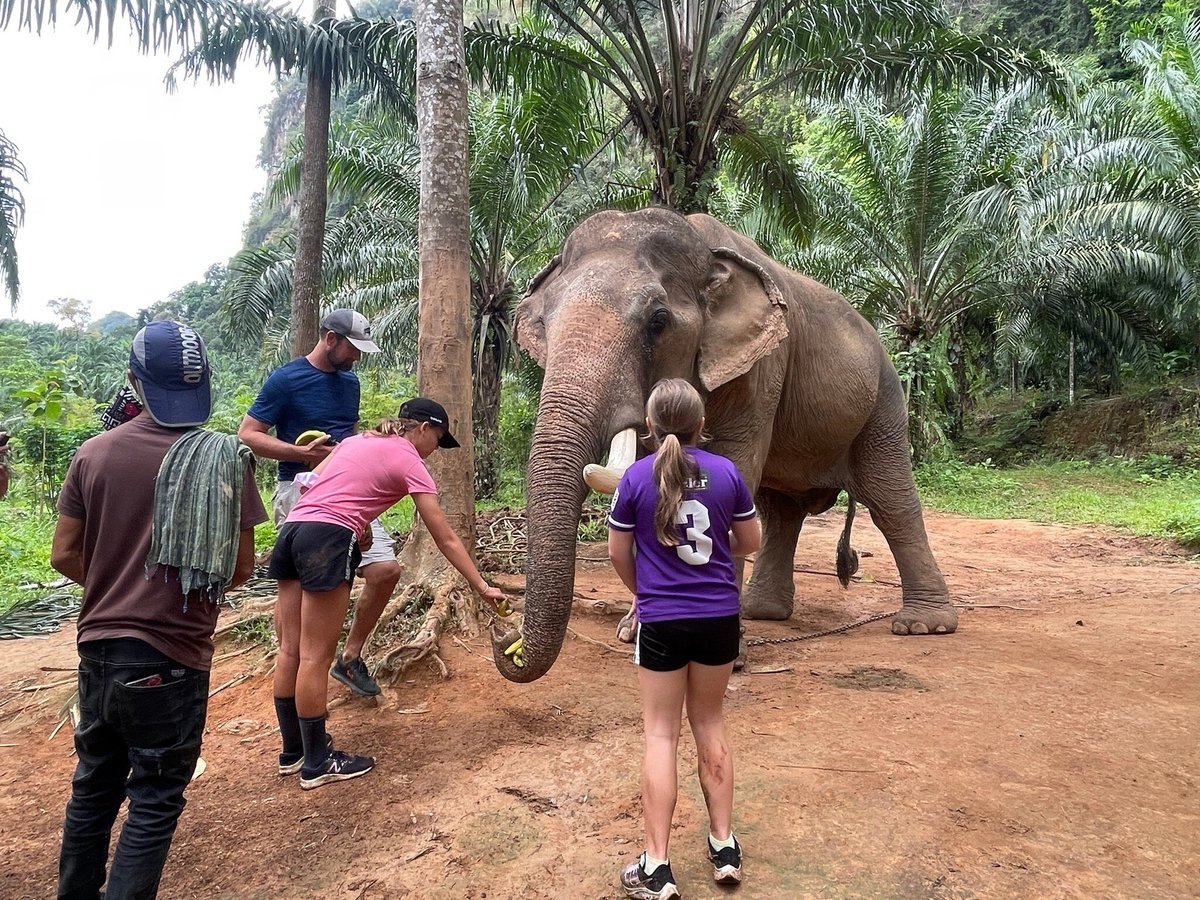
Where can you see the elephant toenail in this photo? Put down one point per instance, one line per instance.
(899, 628)
(918, 628)
(941, 629)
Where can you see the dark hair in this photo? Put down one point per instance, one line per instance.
(676, 413)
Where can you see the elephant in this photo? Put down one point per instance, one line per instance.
(799, 393)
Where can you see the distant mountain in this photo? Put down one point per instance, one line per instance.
(113, 321)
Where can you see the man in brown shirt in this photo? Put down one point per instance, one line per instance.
(145, 649)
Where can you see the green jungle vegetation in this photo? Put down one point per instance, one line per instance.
(1009, 190)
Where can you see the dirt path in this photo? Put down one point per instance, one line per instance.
(1044, 751)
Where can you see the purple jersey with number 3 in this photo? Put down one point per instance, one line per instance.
(695, 579)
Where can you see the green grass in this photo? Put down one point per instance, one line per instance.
(1147, 497)
(25, 539)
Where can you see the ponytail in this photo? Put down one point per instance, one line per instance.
(393, 427)
(673, 469)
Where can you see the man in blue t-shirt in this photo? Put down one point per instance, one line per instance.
(320, 392)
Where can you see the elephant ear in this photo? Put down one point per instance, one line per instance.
(530, 318)
(745, 318)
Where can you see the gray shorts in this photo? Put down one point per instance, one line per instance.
(382, 549)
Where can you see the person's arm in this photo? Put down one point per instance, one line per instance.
(66, 551)
(256, 435)
(620, 554)
(745, 537)
(452, 548)
(244, 567)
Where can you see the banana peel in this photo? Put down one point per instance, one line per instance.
(307, 437)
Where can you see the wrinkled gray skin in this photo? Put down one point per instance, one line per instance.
(798, 390)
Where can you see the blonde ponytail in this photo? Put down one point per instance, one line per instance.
(673, 469)
(676, 413)
(394, 427)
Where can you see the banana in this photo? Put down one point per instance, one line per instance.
(516, 651)
(307, 437)
(503, 610)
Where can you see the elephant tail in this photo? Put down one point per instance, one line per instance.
(847, 556)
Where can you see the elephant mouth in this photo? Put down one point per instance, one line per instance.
(621, 454)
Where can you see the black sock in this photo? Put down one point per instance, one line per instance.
(312, 730)
(289, 725)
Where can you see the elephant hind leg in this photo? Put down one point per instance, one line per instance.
(883, 481)
(771, 591)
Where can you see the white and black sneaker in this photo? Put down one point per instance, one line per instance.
(643, 885)
(726, 863)
(338, 766)
(290, 763)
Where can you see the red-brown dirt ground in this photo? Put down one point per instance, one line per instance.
(1048, 749)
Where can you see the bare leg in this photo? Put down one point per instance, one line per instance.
(287, 633)
(662, 711)
(321, 617)
(705, 708)
(380, 579)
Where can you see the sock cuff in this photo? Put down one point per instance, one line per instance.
(650, 865)
(721, 845)
(314, 719)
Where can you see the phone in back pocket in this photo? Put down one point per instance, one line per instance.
(149, 681)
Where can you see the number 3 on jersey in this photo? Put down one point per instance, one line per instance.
(694, 516)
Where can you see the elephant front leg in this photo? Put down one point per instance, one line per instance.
(771, 591)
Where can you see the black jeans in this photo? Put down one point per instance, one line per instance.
(139, 742)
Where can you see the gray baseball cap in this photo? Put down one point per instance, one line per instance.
(353, 326)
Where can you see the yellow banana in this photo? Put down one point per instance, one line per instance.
(307, 437)
(503, 610)
(516, 651)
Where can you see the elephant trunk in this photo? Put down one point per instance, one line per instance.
(588, 395)
(565, 440)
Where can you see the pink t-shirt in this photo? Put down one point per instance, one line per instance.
(364, 476)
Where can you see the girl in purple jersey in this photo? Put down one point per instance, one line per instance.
(688, 513)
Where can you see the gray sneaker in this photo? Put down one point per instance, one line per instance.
(354, 675)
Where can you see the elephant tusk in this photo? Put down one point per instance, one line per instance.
(621, 454)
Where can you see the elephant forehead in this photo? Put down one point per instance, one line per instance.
(588, 308)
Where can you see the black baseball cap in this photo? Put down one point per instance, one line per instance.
(422, 409)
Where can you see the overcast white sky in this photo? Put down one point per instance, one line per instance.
(132, 192)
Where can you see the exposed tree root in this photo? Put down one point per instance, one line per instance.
(452, 601)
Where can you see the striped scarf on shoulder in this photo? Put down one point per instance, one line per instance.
(197, 511)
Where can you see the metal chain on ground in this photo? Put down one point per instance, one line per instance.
(758, 642)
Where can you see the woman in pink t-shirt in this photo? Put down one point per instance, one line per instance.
(315, 557)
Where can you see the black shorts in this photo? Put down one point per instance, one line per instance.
(321, 556)
(670, 645)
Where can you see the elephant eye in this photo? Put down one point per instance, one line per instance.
(659, 322)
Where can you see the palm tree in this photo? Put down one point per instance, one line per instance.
(893, 234)
(684, 70)
(12, 216)
(1058, 223)
(525, 148)
(212, 36)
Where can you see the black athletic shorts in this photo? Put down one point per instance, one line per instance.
(321, 556)
(670, 645)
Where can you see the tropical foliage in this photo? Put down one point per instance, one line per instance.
(12, 215)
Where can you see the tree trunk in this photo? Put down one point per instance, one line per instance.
(487, 420)
(314, 199)
(1071, 371)
(958, 365)
(444, 341)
